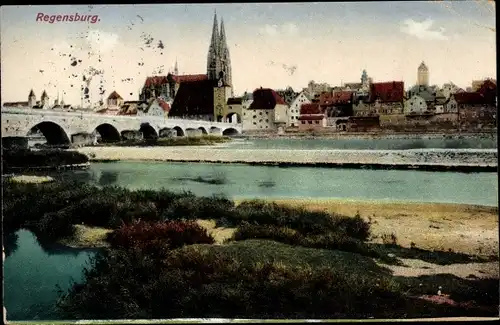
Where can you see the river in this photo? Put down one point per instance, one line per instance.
(244, 181)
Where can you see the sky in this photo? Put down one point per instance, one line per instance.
(271, 45)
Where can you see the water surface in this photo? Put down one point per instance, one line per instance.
(244, 181)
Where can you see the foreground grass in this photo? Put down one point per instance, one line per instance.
(280, 262)
(204, 140)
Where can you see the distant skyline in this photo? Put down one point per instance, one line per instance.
(271, 45)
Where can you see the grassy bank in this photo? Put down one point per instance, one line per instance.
(279, 262)
(205, 140)
(25, 159)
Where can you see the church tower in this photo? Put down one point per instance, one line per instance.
(31, 99)
(423, 75)
(219, 61)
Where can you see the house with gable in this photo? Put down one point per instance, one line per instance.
(294, 109)
(267, 111)
(312, 117)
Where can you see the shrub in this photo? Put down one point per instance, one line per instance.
(147, 235)
(54, 225)
(331, 240)
(300, 219)
(26, 158)
(191, 282)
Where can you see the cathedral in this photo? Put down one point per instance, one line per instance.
(202, 96)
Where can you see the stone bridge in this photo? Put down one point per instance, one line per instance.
(59, 127)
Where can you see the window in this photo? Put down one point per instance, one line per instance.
(267, 120)
(317, 122)
(310, 122)
(255, 116)
(260, 121)
(260, 113)
(254, 123)
(303, 122)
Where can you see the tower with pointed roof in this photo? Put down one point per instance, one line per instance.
(218, 60)
(44, 100)
(423, 75)
(176, 68)
(31, 99)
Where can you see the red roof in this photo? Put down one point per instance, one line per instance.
(265, 98)
(190, 78)
(164, 105)
(114, 95)
(342, 97)
(155, 81)
(470, 98)
(326, 98)
(387, 92)
(315, 117)
(308, 109)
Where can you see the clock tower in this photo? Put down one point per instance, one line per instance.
(222, 92)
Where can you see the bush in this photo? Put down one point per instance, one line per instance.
(192, 282)
(157, 236)
(332, 240)
(300, 219)
(54, 225)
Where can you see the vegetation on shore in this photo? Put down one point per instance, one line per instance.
(282, 262)
(47, 158)
(204, 140)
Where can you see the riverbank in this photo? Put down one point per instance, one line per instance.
(205, 140)
(437, 159)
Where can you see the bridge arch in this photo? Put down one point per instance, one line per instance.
(230, 132)
(53, 132)
(108, 133)
(180, 131)
(233, 118)
(148, 131)
(203, 130)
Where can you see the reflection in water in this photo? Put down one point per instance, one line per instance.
(108, 178)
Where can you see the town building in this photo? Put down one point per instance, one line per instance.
(294, 109)
(267, 111)
(385, 98)
(314, 89)
(312, 117)
(423, 75)
(288, 95)
(156, 107)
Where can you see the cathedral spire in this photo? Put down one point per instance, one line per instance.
(176, 68)
(222, 36)
(215, 32)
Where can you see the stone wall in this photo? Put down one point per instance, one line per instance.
(194, 132)
(132, 135)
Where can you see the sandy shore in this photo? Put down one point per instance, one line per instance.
(477, 158)
(462, 228)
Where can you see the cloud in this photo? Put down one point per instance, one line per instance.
(423, 30)
(101, 41)
(289, 29)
